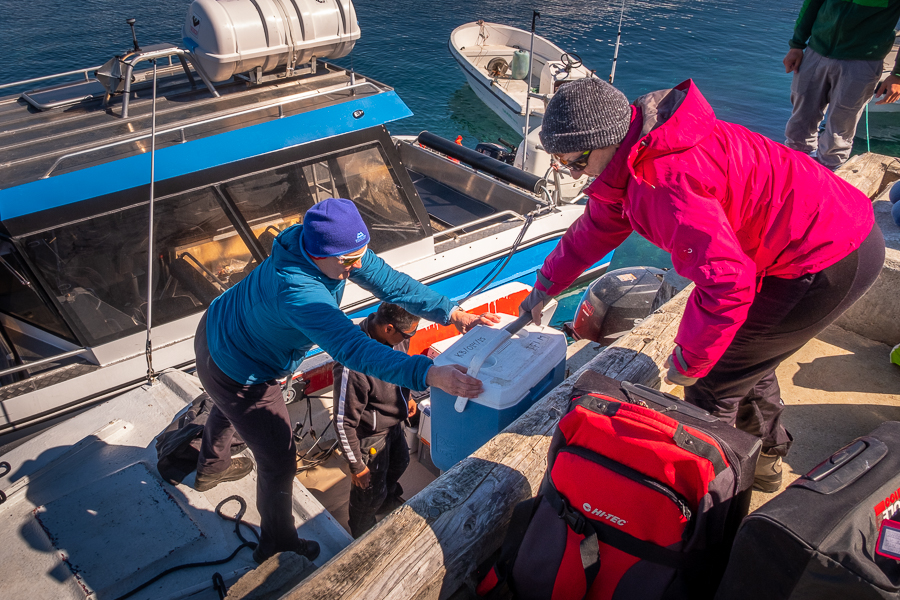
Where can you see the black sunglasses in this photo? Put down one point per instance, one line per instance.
(406, 336)
(579, 163)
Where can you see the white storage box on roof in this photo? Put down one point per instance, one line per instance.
(515, 375)
(237, 36)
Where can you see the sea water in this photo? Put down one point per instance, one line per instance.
(732, 49)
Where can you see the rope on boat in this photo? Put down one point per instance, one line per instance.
(217, 581)
(868, 145)
(495, 271)
(148, 352)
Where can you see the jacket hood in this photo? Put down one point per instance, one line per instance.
(662, 122)
(674, 120)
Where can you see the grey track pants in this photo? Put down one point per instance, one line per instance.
(844, 87)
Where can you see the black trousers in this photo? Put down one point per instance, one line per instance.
(259, 414)
(386, 467)
(742, 389)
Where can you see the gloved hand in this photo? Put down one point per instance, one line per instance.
(534, 303)
(674, 376)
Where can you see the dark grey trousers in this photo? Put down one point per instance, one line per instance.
(259, 414)
(386, 468)
(786, 313)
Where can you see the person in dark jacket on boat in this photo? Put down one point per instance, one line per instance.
(259, 331)
(837, 53)
(777, 246)
(368, 417)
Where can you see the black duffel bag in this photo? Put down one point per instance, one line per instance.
(820, 539)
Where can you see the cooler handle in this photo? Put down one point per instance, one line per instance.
(844, 466)
(474, 366)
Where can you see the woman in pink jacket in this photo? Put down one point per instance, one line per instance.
(777, 245)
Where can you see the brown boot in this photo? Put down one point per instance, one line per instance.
(238, 469)
(768, 473)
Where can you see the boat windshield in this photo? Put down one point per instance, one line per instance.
(206, 240)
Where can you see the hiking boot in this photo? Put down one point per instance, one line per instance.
(768, 473)
(238, 469)
(308, 548)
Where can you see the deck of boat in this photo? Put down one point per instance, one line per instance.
(36, 143)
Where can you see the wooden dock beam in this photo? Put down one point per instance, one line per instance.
(427, 548)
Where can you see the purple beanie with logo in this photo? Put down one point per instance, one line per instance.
(333, 227)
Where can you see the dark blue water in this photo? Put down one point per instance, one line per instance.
(732, 49)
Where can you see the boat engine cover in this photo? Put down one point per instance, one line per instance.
(238, 36)
(613, 304)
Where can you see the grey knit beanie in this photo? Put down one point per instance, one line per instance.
(584, 115)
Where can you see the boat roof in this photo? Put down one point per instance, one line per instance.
(77, 149)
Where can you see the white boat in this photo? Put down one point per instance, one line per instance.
(491, 55)
(246, 142)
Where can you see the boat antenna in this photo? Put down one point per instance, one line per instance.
(151, 374)
(612, 74)
(534, 16)
(131, 23)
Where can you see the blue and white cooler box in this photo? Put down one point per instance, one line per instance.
(515, 376)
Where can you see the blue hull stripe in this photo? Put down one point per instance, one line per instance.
(201, 154)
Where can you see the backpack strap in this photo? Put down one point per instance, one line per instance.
(497, 569)
(699, 447)
(603, 532)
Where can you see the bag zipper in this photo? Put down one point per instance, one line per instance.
(633, 475)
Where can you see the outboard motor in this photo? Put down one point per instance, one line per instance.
(504, 153)
(615, 303)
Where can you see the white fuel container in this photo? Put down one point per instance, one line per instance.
(237, 36)
(515, 376)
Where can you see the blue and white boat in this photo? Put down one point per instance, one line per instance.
(252, 128)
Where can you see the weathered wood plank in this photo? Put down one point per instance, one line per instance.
(870, 173)
(427, 548)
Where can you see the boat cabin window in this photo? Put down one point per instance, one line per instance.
(275, 199)
(20, 298)
(97, 268)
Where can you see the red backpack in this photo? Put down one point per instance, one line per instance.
(642, 497)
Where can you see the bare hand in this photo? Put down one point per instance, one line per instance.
(889, 88)
(453, 380)
(412, 408)
(465, 321)
(361, 480)
(792, 60)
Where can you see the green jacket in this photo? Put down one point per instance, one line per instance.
(847, 29)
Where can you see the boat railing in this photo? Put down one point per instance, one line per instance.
(84, 72)
(43, 361)
(181, 128)
(504, 213)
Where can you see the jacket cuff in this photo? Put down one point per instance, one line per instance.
(793, 43)
(677, 365)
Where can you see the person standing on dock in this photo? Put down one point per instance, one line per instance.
(368, 417)
(777, 246)
(839, 69)
(259, 331)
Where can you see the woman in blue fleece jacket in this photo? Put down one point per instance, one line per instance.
(259, 331)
